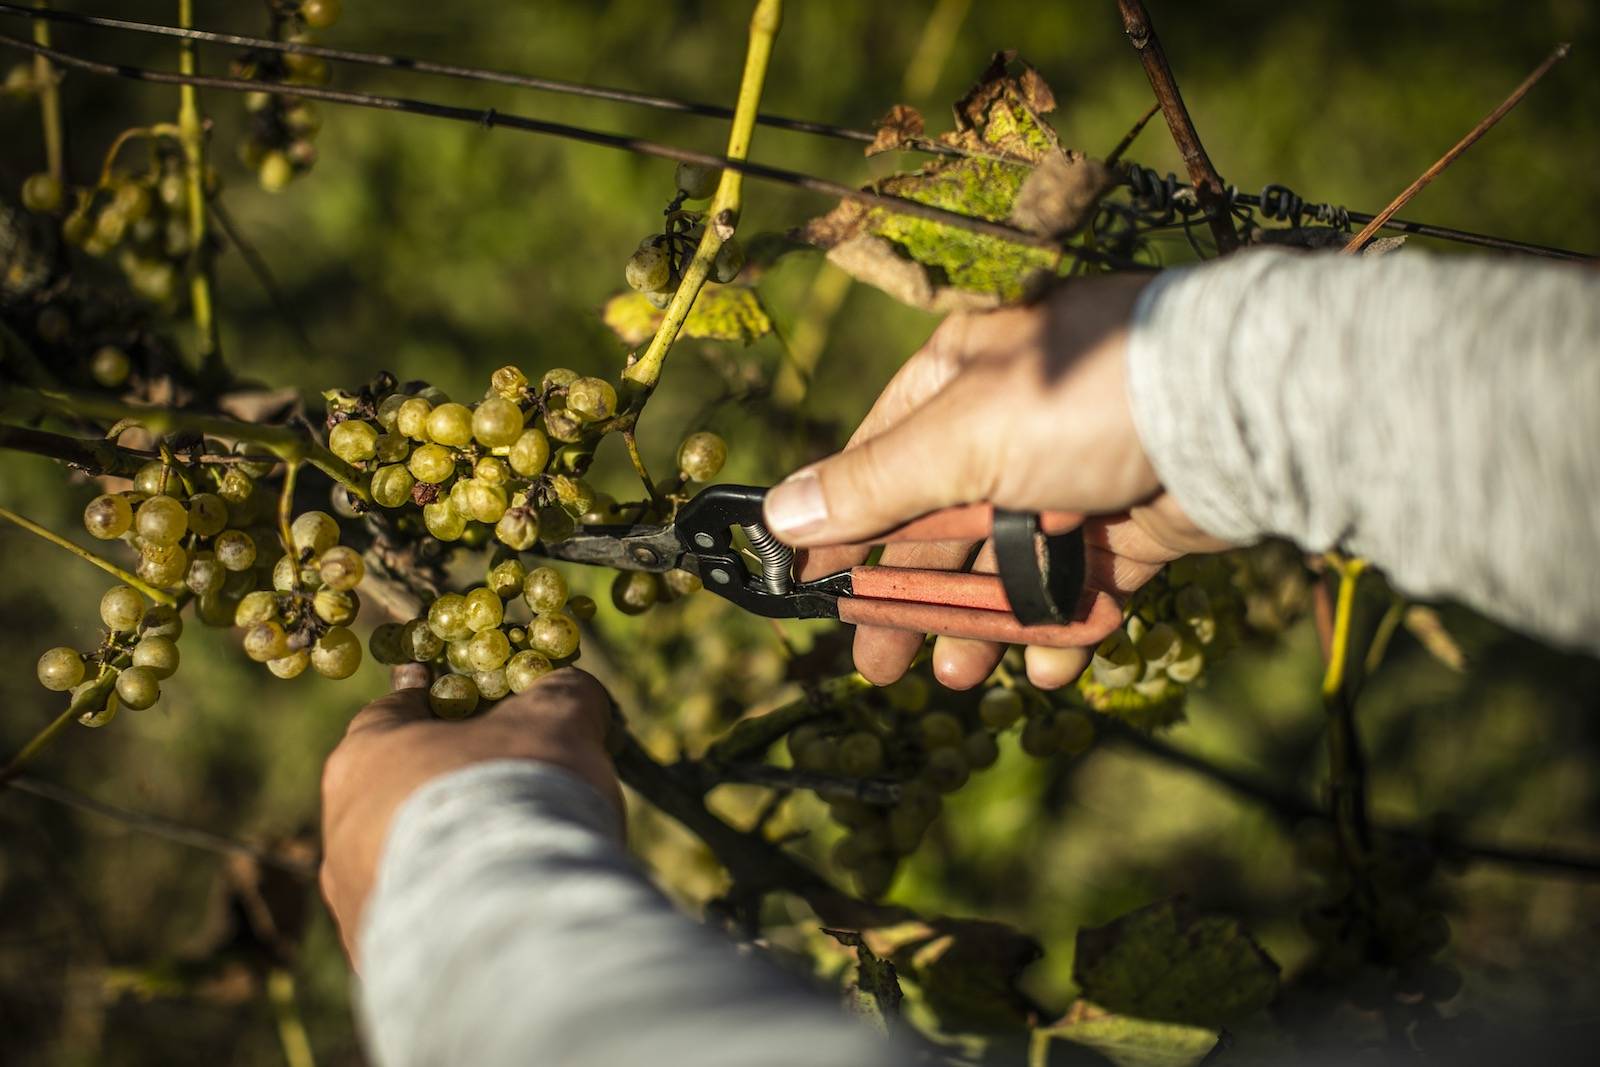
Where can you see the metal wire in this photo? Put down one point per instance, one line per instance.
(777, 558)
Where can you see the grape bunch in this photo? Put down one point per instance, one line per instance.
(280, 139)
(137, 653)
(656, 266)
(304, 619)
(895, 734)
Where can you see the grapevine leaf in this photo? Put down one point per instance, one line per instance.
(874, 995)
(721, 313)
(967, 969)
(1167, 962)
(1061, 194)
(1158, 705)
(1121, 1039)
(903, 125)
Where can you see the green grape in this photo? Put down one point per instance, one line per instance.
(488, 650)
(156, 478)
(163, 565)
(946, 769)
(592, 399)
(660, 299)
(507, 578)
(649, 269)
(1117, 662)
(696, 181)
(485, 503)
(530, 453)
(320, 14)
(447, 617)
(1193, 607)
(42, 193)
(941, 729)
(161, 520)
(450, 424)
(313, 533)
(496, 422)
(216, 609)
(518, 528)
(729, 261)
(353, 441)
(391, 448)
(557, 378)
(337, 653)
(1160, 646)
(491, 471)
(634, 592)
(909, 694)
(1189, 663)
(388, 413)
(60, 669)
(999, 707)
(581, 608)
(484, 609)
(1076, 732)
(205, 573)
(1041, 736)
(235, 550)
(335, 606)
(341, 568)
(158, 655)
(906, 826)
(860, 754)
(391, 485)
(455, 655)
(208, 514)
(162, 620)
(412, 418)
(562, 425)
(266, 640)
(443, 521)
(433, 395)
(544, 589)
(701, 456)
(138, 688)
(573, 494)
(509, 382)
(981, 750)
(554, 634)
(291, 666)
(453, 696)
(525, 668)
(421, 644)
(121, 608)
(110, 367)
(257, 606)
(820, 755)
(518, 636)
(275, 172)
(681, 582)
(387, 644)
(492, 685)
(458, 495)
(236, 487)
(261, 465)
(432, 463)
(107, 516)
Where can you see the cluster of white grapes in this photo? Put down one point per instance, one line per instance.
(656, 266)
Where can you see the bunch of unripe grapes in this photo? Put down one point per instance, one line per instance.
(280, 141)
(304, 619)
(139, 651)
(497, 638)
(896, 735)
(656, 266)
(66, 331)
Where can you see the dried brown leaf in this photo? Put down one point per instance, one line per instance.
(1059, 197)
(902, 126)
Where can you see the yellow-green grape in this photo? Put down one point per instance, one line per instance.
(313, 533)
(729, 261)
(701, 456)
(909, 694)
(138, 688)
(696, 180)
(507, 578)
(450, 424)
(291, 666)
(257, 606)
(320, 14)
(389, 411)
(1041, 736)
(509, 382)
(391, 485)
(860, 754)
(906, 824)
(107, 516)
(581, 608)
(819, 755)
(518, 636)
(443, 521)
(260, 465)
(680, 582)
(492, 685)
(661, 299)
(110, 366)
(496, 422)
(391, 448)
(573, 494)
(1189, 662)
(60, 669)
(488, 650)
(158, 655)
(236, 486)
(649, 269)
(940, 729)
(121, 609)
(1160, 646)
(204, 574)
(634, 592)
(1117, 662)
(555, 524)
(341, 568)
(208, 514)
(525, 668)
(235, 550)
(455, 654)
(285, 574)
(458, 495)
(157, 478)
(562, 425)
(337, 653)
(1193, 607)
(42, 193)
(412, 418)
(999, 707)
(592, 399)
(518, 528)
(432, 463)
(485, 503)
(353, 441)
(433, 395)
(946, 769)
(216, 609)
(387, 645)
(491, 471)
(162, 620)
(266, 640)
(1075, 732)
(335, 607)
(553, 633)
(530, 453)
(161, 520)
(453, 696)
(275, 172)
(421, 644)
(163, 565)
(981, 750)
(484, 611)
(447, 617)
(545, 590)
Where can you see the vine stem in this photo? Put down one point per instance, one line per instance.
(1346, 766)
(192, 134)
(159, 130)
(291, 1030)
(723, 215)
(88, 557)
(285, 510)
(44, 75)
(630, 439)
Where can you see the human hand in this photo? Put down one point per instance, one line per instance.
(1025, 408)
(394, 746)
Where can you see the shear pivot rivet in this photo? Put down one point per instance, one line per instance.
(704, 540)
(721, 577)
(646, 555)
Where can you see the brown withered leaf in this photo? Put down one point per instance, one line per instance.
(1059, 197)
(902, 126)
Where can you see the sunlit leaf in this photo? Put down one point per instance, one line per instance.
(721, 313)
(1123, 1040)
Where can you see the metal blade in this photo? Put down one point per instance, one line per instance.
(625, 548)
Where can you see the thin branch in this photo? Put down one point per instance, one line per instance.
(96, 456)
(44, 76)
(1132, 135)
(1359, 241)
(1207, 182)
(262, 273)
(193, 138)
(159, 596)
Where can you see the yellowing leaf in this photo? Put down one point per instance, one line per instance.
(720, 313)
(1125, 1041)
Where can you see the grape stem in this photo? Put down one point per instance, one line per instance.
(84, 554)
(192, 135)
(291, 1030)
(153, 133)
(285, 510)
(44, 76)
(1346, 764)
(637, 459)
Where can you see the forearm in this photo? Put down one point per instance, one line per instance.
(1438, 416)
(508, 926)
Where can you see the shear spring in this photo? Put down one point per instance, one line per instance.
(777, 558)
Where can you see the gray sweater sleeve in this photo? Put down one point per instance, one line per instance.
(508, 926)
(1438, 416)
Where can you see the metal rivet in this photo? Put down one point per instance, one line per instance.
(721, 577)
(705, 540)
(645, 555)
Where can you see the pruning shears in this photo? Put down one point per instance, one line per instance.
(1037, 598)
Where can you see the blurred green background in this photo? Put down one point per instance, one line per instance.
(441, 251)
